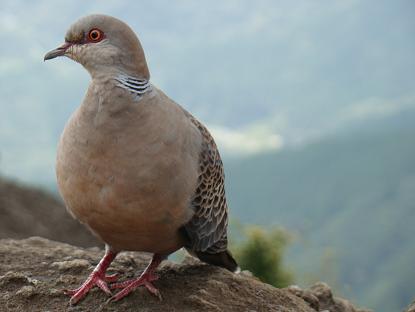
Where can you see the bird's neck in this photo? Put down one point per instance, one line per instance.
(134, 85)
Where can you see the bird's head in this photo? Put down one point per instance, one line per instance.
(104, 45)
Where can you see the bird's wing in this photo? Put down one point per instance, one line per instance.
(206, 230)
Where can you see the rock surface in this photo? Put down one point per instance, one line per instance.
(411, 308)
(34, 271)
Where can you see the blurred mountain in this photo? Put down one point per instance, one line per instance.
(349, 200)
(273, 69)
(28, 211)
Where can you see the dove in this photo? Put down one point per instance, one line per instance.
(135, 167)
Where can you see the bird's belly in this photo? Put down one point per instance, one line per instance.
(130, 202)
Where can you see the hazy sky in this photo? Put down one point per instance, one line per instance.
(262, 75)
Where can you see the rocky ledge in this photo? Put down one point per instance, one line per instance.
(34, 271)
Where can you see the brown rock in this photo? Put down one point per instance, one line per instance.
(411, 308)
(34, 271)
(320, 297)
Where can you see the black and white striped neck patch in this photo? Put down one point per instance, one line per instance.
(136, 86)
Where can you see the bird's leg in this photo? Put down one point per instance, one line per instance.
(96, 278)
(144, 279)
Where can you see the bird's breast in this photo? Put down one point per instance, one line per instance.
(130, 182)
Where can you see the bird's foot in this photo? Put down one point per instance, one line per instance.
(96, 278)
(128, 286)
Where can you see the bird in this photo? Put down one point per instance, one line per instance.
(136, 168)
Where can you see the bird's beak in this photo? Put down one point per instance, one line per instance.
(57, 52)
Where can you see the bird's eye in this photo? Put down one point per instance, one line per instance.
(95, 35)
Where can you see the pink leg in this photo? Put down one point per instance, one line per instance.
(96, 278)
(145, 279)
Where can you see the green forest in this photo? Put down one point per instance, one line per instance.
(348, 203)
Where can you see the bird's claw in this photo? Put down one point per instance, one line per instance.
(131, 285)
(95, 279)
(121, 285)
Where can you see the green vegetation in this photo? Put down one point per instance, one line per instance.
(261, 253)
(349, 203)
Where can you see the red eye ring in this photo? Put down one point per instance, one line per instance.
(95, 35)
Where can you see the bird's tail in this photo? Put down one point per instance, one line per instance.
(223, 259)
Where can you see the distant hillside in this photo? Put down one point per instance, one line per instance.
(351, 203)
(27, 211)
